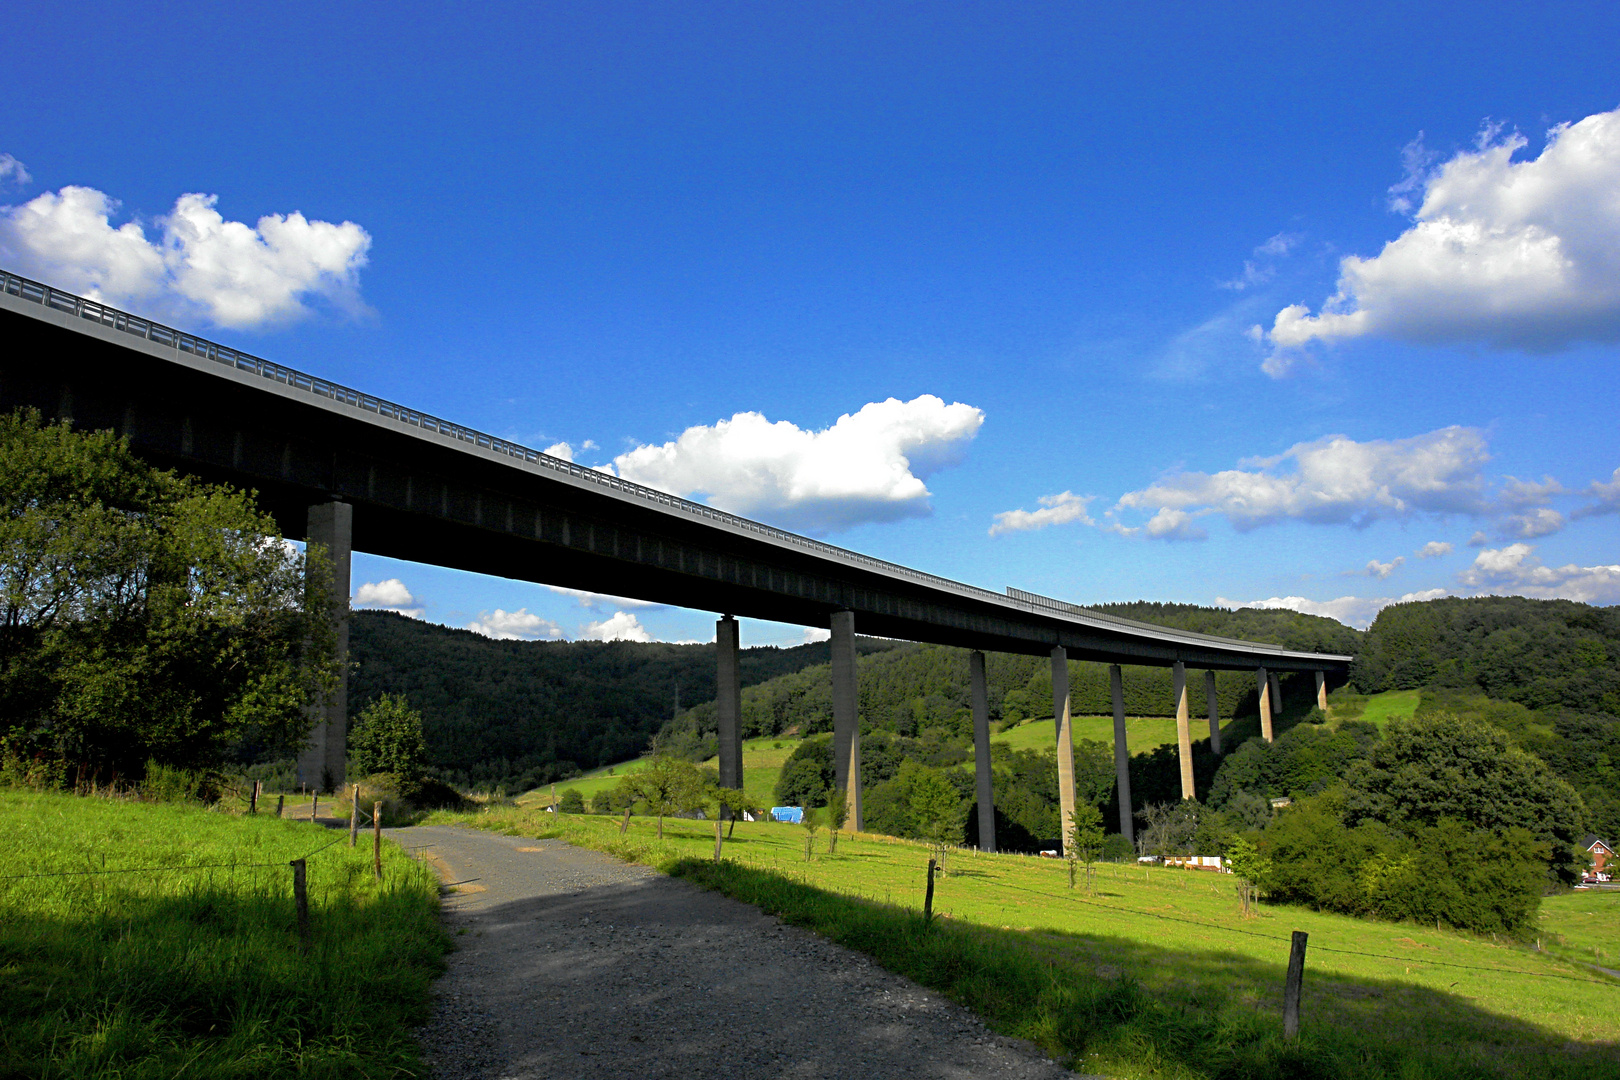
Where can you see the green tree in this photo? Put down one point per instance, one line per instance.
(146, 616)
(1250, 868)
(837, 815)
(1446, 766)
(811, 825)
(664, 785)
(1084, 843)
(387, 738)
(572, 802)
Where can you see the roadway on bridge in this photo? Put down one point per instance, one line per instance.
(570, 963)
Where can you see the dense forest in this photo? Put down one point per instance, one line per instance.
(523, 713)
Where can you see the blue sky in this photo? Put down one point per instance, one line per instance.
(1264, 304)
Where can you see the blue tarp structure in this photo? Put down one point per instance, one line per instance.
(791, 814)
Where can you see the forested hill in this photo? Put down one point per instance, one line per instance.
(522, 713)
(1290, 629)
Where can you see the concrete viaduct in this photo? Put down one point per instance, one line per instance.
(349, 471)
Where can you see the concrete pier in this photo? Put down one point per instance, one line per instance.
(1214, 703)
(1264, 687)
(846, 716)
(1276, 695)
(981, 750)
(1065, 741)
(1184, 732)
(323, 766)
(1122, 754)
(728, 701)
(1321, 690)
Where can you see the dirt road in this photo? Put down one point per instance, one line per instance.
(573, 964)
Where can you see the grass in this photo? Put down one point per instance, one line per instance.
(198, 973)
(1583, 925)
(1142, 733)
(1382, 708)
(1156, 974)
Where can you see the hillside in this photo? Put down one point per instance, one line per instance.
(524, 713)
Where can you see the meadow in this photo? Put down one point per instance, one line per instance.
(1152, 972)
(110, 968)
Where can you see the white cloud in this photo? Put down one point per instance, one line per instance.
(869, 466)
(12, 171)
(1354, 611)
(1382, 570)
(1261, 268)
(519, 625)
(200, 266)
(560, 450)
(1512, 254)
(1055, 510)
(813, 634)
(620, 626)
(1333, 480)
(1532, 523)
(1434, 549)
(1607, 495)
(1515, 569)
(1479, 539)
(390, 595)
(592, 601)
(1167, 524)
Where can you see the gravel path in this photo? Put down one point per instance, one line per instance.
(573, 964)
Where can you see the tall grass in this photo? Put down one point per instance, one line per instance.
(186, 973)
(1157, 975)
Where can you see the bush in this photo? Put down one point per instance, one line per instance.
(164, 783)
(572, 802)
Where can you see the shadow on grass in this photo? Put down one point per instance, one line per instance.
(1107, 1003)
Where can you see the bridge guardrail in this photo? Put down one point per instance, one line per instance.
(160, 334)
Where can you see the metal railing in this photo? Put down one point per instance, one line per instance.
(157, 333)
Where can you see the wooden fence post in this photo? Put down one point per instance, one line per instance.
(354, 816)
(928, 898)
(717, 838)
(253, 798)
(376, 837)
(301, 900)
(314, 806)
(281, 802)
(1296, 976)
(625, 824)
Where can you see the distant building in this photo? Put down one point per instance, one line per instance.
(1602, 855)
(1197, 862)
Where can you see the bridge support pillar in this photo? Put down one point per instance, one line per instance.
(1263, 685)
(323, 764)
(1122, 755)
(1184, 732)
(846, 717)
(1065, 742)
(728, 702)
(1214, 702)
(981, 750)
(1321, 690)
(1276, 695)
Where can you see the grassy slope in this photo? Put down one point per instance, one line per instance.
(197, 973)
(1142, 733)
(1381, 708)
(1156, 974)
(1583, 925)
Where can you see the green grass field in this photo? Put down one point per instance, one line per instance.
(1156, 974)
(198, 973)
(1583, 925)
(1381, 708)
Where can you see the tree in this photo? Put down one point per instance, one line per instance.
(572, 802)
(837, 814)
(146, 616)
(1446, 766)
(387, 738)
(1168, 828)
(937, 805)
(1251, 869)
(1085, 841)
(663, 785)
(810, 826)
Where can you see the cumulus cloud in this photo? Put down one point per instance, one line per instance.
(390, 595)
(869, 466)
(1382, 570)
(1434, 549)
(12, 171)
(1543, 521)
(560, 450)
(1516, 569)
(519, 625)
(813, 634)
(1511, 254)
(199, 266)
(1055, 510)
(1479, 539)
(620, 626)
(1167, 524)
(1354, 611)
(1607, 496)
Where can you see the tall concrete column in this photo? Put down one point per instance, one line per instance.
(324, 763)
(1065, 743)
(1122, 755)
(1184, 732)
(846, 716)
(1321, 690)
(728, 702)
(1276, 695)
(1214, 702)
(1264, 687)
(981, 750)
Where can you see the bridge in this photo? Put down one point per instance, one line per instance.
(350, 471)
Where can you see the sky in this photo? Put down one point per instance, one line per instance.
(1262, 304)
